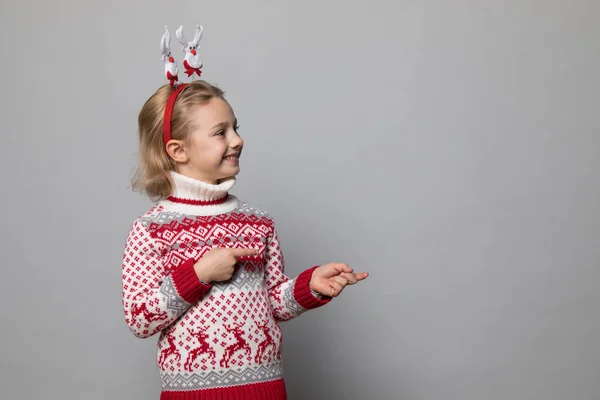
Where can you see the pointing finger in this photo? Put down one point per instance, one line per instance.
(244, 252)
(362, 275)
(355, 277)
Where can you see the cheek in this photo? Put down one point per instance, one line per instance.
(209, 152)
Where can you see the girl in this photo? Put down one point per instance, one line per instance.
(204, 269)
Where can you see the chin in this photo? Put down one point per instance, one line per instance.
(229, 176)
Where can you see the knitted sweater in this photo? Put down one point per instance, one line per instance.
(220, 340)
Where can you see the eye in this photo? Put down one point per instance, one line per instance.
(236, 128)
(220, 133)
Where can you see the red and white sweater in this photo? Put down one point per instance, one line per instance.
(222, 340)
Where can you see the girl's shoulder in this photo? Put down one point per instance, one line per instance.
(153, 219)
(257, 216)
(246, 208)
(154, 214)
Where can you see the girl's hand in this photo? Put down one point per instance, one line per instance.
(218, 264)
(330, 279)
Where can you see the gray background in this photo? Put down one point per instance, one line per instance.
(450, 148)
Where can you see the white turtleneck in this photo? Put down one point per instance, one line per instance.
(186, 188)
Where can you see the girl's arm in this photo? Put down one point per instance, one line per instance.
(289, 297)
(151, 299)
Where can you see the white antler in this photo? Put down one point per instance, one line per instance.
(198, 35)
(191, 61)
(181, 37)
(165, 43)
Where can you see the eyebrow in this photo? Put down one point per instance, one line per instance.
(224, 124)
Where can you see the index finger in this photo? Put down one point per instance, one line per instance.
(361, 275)
(244, 252)
(354, 276)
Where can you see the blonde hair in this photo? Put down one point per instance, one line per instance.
(154, 166)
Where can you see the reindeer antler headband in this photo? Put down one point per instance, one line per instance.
(191, 62)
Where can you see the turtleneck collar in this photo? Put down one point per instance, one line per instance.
(192, 196)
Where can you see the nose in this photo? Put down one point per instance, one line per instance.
(236, 142)
(194, 51)
(171, 59)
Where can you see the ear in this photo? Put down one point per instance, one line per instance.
(176, 150)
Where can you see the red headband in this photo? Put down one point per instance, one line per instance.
(169, 111)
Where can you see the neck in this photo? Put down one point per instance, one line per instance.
(185, 171)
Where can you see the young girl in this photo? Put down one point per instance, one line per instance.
(204, 269)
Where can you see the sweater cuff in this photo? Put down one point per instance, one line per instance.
(302, 292)
(187, 284)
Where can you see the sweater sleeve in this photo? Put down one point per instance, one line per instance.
(289, 297)
(153, 299)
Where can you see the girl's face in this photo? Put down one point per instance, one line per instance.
(214, 146)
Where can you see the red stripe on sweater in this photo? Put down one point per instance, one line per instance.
(193, 202)
(209, 222)
(273, 390)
